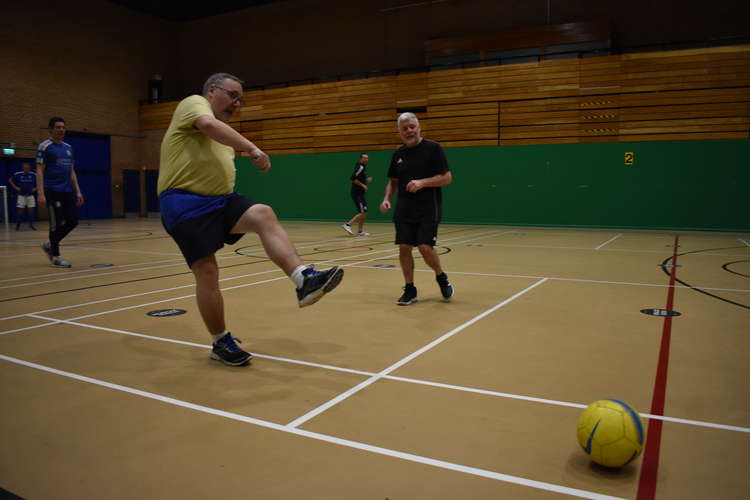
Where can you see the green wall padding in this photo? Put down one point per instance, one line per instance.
(702, 185)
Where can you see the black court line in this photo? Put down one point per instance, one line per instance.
(726, 268)
(666, 271)
(7, 495)
(176, 274)
(444, 250)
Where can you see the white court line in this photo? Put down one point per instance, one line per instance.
(94, 275)
(122, 250)
(474, 471)
(589, 249)
(186, 286)
(195, 344)
(608, 241)
(532, 399)
(344, 395)
(743, 241)
(552, 278)
(53, 322)
(482, 235)
(176, 261)
(244, 285)
(68, 273)
(170, 262)
(389, 377)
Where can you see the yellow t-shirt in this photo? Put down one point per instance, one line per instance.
(192, 161)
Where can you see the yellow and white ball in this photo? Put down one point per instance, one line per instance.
(611, 432)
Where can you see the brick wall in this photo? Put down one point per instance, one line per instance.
(298, 39)
(87, 61)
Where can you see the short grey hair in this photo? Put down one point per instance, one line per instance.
(217, 78)
(407, 116)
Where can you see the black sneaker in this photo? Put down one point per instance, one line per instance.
(317, 284)
(445, 287)
(409, 296)
(18, 226)
(32, 227)
(228, 352)
(48, 250)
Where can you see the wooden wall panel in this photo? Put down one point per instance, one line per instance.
(688, 94)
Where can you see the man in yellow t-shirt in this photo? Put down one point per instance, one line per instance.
(201, 211)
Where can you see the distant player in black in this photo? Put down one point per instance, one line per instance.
(359, 188)
(418, 169)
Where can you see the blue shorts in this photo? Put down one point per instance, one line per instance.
(203, 232)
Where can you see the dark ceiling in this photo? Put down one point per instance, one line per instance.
(186, 10)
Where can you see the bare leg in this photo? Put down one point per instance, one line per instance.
(208, 295)
(431, 257)
(262, 220)
(357, 218)
(407, 262)
(362, 217)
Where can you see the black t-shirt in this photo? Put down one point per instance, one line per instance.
(360, 174)
(426, 159)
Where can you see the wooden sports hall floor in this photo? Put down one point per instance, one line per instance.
(356, 398)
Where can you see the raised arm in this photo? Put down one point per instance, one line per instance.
(224, 134)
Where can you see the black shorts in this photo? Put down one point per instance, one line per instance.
(416, 233)
(203, 235)
(360, 202)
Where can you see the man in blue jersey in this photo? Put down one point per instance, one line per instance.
(359, 188)
(24, 182)
(57, 188)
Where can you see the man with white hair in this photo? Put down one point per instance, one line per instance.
(418, 170)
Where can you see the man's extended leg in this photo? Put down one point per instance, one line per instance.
(311, 285)
(262, 220)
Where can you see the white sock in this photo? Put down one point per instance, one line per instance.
(297, 277)
(218, 336)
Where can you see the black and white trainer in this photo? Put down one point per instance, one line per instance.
(228, 352)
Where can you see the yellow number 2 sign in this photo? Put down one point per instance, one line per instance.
(629, 157)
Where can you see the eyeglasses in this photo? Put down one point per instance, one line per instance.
(233, 95)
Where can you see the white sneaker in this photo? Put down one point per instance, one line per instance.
(348, 228)
(60, 262)
(362, 233)
(47, 250)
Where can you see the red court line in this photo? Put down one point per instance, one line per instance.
(650, 465)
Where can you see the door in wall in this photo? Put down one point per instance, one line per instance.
(94, 172)
(131, 181)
